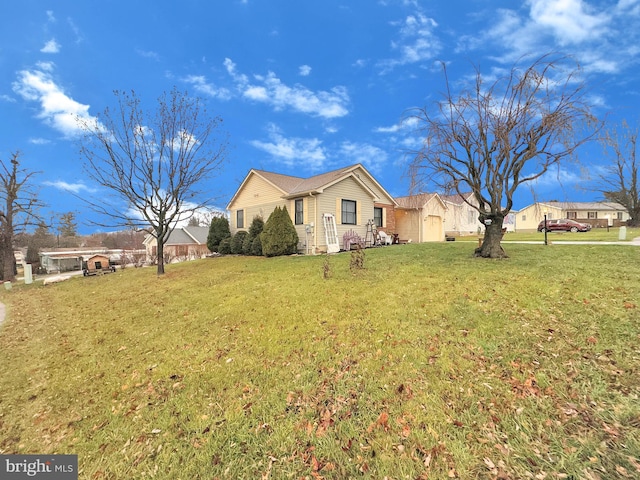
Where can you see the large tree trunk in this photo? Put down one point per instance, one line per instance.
(7, 261)
(491, 247)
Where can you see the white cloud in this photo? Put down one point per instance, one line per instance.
(201, 86)
(69, 187)
(571, 21)
(408, 123)
(417, 42)
(558, 177)
(57, 109)
(148, 54)
(590, 31)
(305, 70)
(293, 151)
(271, 90)
(374, 158)
(50, 17)
(39, 141)
(51, 47)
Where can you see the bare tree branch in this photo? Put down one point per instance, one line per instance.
(492, 138)
(153, 166)
(19, 209)
(619, 182)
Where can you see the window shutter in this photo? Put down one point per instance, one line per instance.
(338, 211)
(384, 217)
(305, 210)
(358, 213)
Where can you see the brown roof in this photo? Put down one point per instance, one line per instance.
(415, 201)
(295, 185)
(456, 198)
(286, 183)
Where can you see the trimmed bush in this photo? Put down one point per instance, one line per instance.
(257, 225)
(279, 236)
(237, 242)
(256, 247)
(225, 246)
(218, 231)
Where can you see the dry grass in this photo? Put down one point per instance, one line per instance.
(427, 363)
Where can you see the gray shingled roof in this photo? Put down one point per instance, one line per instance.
(188, 235)
(600, 206)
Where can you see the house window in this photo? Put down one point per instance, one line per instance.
(619, 215)
(471, 216)
(348, 212)
(299, 211)
(98, 265)
(572, 215)
(592, 215)
(524, 218)
(377, 216)
(240, 219)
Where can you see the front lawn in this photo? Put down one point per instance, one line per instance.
(426, 364)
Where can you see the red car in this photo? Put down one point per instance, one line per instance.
(563, 225)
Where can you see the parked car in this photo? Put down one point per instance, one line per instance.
(563, 225)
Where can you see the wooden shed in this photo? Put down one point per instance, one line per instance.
(97, 264)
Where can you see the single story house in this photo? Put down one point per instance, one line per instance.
(461, 217)
(420, 218)
(60, 261)
(184, 243)
(597, 214)
(323, 208)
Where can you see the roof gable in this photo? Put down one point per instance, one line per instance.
(419, 200)
(187, 236)
(291, 186)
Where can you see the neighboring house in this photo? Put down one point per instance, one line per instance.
(61, 261)
(597, 214)
(420, 218)
(71, 259)
(350, 195)
(184, 243)
(461, 218)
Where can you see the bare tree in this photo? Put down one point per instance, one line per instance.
(153, 165)
(620, 182)
(18, 209)
(495, 136)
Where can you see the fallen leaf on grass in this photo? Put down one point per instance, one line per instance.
(622, 471)
(629, 305)
(490, 465)
(382, 421)
(634, 462)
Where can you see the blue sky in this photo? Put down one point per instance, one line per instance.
(303, 87)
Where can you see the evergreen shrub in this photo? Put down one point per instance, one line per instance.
(279, 236)
(218, 231)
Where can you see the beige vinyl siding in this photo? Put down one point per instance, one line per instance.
(257, 198)
(330, 201)
(529, 218)
(364, 178)
(408, 224)
(256, 191)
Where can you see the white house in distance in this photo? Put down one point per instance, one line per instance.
(597, 214)
(461, 218)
